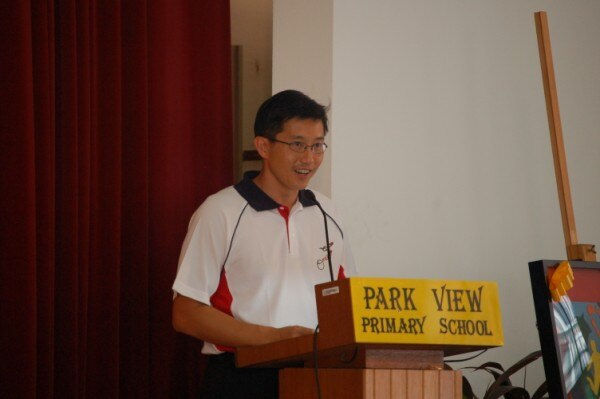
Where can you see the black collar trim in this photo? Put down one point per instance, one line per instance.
(258, 199)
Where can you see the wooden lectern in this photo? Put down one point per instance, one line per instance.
(350, 368)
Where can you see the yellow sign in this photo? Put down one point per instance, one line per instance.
(411, 311)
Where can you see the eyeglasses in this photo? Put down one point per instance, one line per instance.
(297, 146)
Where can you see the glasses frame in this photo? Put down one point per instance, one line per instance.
(306, 146)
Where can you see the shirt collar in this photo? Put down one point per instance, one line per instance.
(258, 199)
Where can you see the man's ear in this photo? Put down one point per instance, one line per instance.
(262, 145)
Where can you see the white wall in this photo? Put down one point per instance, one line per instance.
(441, 157)
(302, 56)
(457, 178)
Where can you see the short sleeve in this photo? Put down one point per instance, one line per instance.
(203, 253)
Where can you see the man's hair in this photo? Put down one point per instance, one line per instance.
(282, 107)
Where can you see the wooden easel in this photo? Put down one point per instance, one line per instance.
(575, 251)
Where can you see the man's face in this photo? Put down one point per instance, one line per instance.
(290, 170)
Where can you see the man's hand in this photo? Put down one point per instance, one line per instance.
(293, 332)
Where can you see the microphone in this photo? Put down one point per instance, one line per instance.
(311, 196)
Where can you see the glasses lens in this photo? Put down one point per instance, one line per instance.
(319, 148)
(298, 146)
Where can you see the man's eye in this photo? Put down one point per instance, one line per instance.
(297, 145)
(318, 146)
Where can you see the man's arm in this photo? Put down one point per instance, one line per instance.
(209, 324)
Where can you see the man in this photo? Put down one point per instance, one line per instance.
(254, 251)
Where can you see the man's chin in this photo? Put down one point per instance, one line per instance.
(303, 180)
(303, 185)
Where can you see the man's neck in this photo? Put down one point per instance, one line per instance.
(287, 198)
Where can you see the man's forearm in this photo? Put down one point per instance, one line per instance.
(209, 324)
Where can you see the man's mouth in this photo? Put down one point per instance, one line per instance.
(303, 171)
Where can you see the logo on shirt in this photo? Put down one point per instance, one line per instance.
(322, 261)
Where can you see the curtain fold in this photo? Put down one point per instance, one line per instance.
(17, 204)
(116, 124)
(43, 65)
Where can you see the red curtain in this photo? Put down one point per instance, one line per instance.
(116, 123)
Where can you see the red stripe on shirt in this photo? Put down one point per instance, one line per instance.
(222, 300)
(284, 211)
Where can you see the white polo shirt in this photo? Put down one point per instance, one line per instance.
(259, 261)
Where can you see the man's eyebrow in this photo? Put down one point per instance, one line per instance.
(300, 137)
